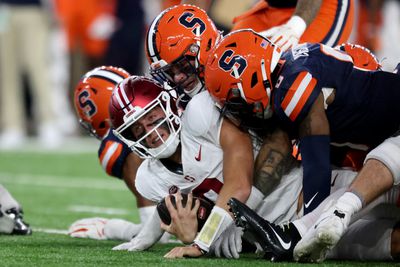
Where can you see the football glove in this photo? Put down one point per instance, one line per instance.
(103, 229)
(286, 35)
(229, 244)
(147, 237)
(92, 228)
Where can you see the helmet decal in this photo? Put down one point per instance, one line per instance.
(190, 22)
(86, 104)
(91, 97)
(228, 63)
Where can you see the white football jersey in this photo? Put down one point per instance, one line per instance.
(154, 181)
(281, 204)
(202, 154)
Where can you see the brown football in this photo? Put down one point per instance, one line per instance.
(202, 213)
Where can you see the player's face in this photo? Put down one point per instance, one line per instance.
(150, 123)
(183, 74)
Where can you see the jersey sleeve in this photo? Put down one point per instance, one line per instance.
(295, 95)
(112, 154)
(202, 119)
(148, 183)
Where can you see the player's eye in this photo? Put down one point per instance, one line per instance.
(138, 131)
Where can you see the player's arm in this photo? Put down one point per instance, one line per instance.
(307, 10)
(237, 164)
(237, 171)
(129, 170)
(273, 161)
(289, 34)
(315, 153)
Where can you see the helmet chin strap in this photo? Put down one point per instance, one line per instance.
(239, 83)
(267, 110)
(167, 149)
(196, 89)
(197, 63)
(200, 85)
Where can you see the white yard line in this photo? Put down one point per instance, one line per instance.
(102, 183)
(102, 210)
(68, 145)
(50, 231)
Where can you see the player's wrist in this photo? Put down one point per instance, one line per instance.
(146, 212)
(297, 24)
(202, 251)
(216, 223)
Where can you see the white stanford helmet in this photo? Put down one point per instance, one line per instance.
(131, 100)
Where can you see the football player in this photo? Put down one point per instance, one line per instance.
(91, 97)
(11, 215)
(147, 123)
(178, 42)
(145, 119)
(287, 23)
(321, 98)
(290, 22)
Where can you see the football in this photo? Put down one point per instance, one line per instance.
(202, 213)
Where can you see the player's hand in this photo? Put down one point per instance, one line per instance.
(136, 244)
(147, 237)
(229, 244)
(183, 219)
(286, 35)
(92, 228)
(180, 252)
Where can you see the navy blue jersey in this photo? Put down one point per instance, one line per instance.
(366, 108)
(112, 154)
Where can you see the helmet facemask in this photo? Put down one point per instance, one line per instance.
(188, 63)
(87, 126)
(244, 115)
(168, 123)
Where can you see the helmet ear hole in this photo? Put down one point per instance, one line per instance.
(209, 45)
(254, 79)
(102, 125)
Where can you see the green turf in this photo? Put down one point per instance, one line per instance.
(49, 184)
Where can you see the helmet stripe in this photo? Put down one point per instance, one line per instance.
(151, 39)
(123, 100)
(107, 75)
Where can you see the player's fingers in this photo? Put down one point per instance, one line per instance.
(174, 253)
(123, 246)
(290, 43)
(170, 207)
(178, 200)
(270, 32)
(225, 248)
(189, 201)
(79, 234)
(236, 245)
(164, 226)
(196, 205)
(217, 247)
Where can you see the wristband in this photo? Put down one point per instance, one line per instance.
(216, 223)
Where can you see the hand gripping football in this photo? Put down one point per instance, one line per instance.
(202, 214)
